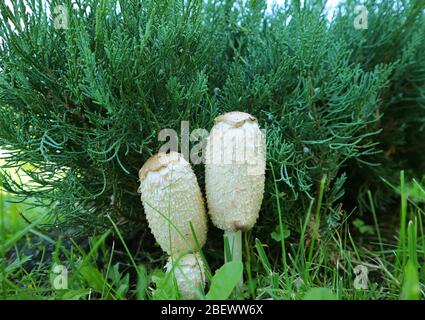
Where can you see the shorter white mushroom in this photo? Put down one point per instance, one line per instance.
(189, 272)
(173, 201)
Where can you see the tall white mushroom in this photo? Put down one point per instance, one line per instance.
(235, 174)
(172, 199)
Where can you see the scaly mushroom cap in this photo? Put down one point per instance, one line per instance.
(172, 198)
(190, 275)
(235, 171)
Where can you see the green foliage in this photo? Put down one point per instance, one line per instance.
(320, 294)
(33, 276)
(362, 227)
(142, 283)
(166, 288)
(84, 105)
(395, 37)
(225, 280)
(411, 284)
(98, 269)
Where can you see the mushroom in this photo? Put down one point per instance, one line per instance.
(172, 200)
(189, 273)
(235, 176)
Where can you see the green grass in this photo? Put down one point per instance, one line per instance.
(354, 261)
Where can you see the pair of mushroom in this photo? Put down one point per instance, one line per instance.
(174, 206)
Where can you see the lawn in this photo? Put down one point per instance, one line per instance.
(377, 259)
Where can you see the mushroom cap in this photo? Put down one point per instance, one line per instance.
(235, 171)
(235, 118)
(157, 162)
(189, 272)
(172, 198)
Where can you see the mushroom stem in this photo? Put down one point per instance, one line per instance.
(233, 249)
(234, 240)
